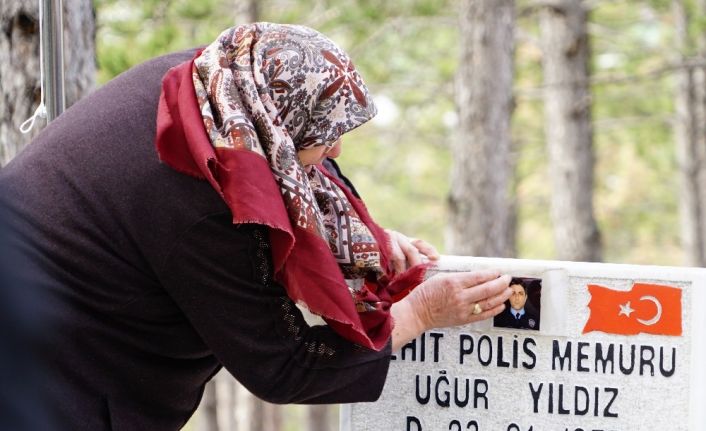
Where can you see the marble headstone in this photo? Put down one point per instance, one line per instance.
(612, 348)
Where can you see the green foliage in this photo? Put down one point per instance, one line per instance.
(636, 190)
(133, 31)
(408, 52)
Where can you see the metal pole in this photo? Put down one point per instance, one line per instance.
(52, 46)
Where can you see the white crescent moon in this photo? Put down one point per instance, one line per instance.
(657, 316)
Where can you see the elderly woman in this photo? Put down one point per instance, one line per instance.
(161, 260)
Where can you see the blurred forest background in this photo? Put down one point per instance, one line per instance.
(540, 129)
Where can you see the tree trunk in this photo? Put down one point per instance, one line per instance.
(208, 415)
(568, 129)
(701, 143)
(226, 393)
(20, 69)
(246, 11)
(480, 214)
(265, 416)
(320, 418)
(688, 129)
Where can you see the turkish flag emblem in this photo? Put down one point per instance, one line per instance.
(646, 308)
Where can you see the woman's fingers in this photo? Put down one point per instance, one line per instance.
(494, 301)
(398, 258)
(412, 255)
(486, 295)
(425, 249)
(498, 286)
(467, 280)
(404, 253)
(408, 252)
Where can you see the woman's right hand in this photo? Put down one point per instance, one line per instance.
(449, 300)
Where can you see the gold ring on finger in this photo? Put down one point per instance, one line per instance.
(477, 309)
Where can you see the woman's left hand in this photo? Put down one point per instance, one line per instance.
(408, 252)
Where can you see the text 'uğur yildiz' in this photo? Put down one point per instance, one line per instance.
(442, 389)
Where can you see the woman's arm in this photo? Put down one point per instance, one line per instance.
(219, 276)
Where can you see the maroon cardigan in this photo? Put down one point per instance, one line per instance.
(147, 286)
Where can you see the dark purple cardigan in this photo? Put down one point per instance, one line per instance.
(147, 287)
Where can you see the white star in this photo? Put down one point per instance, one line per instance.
(625, 309)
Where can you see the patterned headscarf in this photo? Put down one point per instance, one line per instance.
(264, 91)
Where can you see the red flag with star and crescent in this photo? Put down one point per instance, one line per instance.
(646, 308)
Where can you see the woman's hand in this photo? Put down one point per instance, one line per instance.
(449, 300)
(408, 252)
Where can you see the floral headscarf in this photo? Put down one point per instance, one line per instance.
(262, 92)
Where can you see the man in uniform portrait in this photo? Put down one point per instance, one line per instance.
(518, 313)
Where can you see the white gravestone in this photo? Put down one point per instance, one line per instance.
(619, 348)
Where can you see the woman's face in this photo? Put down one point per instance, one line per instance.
(315, 155)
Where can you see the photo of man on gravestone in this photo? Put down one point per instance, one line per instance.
(523, 308)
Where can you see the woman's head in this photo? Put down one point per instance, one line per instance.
(307, 84)
(316, 90)
(286, 93)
